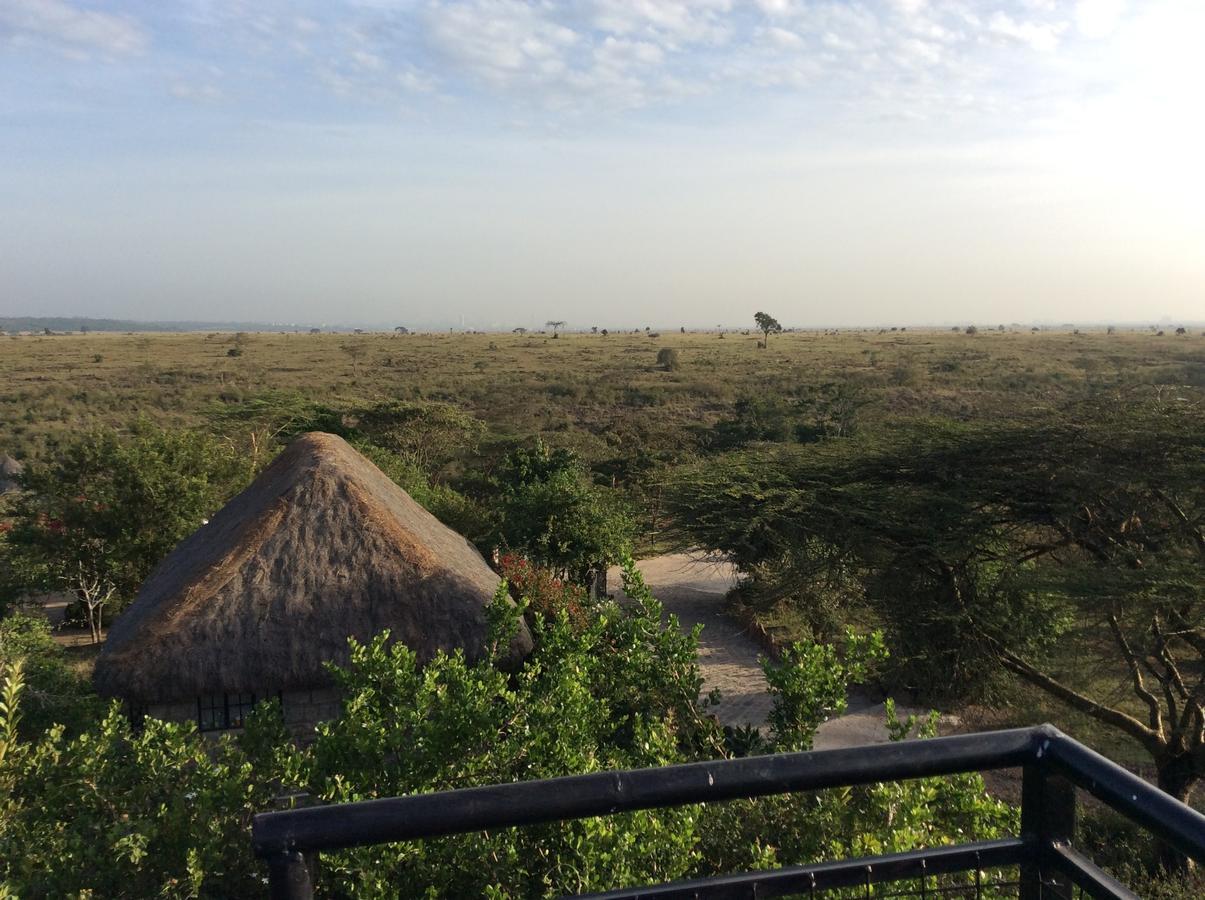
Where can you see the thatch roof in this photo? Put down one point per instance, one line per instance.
(9, 470)
(321, 546)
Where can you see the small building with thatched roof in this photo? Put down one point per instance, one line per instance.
(10, 472)
(321, 546)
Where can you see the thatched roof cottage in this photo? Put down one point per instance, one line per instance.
(10, 471)
(321, 546)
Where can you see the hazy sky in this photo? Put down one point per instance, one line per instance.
(609, 162)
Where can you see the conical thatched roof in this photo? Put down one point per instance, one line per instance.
(321, 546)
(9, 470)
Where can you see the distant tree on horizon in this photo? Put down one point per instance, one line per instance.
(767, 324)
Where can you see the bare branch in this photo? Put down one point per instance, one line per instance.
(1169, 662)
(1140, 688)
(1178, 512)
(1152, 740)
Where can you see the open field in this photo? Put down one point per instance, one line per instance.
(602, 396)
(882, 494)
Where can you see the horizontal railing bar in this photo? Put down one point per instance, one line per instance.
(1088, 876)
(603, 793)
(1162, 814)
(839, 874)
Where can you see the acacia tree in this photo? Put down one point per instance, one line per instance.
(767, 324)
(1005, 547)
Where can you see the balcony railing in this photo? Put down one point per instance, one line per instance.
(1053, 766)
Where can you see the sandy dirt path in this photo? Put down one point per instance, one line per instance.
(692, 587)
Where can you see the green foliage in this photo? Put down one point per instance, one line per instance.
(766, 324)
(993, 548)
(118, 813)
(110, 506)
(964, 535)
(796, 829)
(753, 419)
(53, 691)
(430, 435)
(829, 410)
(548, 511)
(809, 685)
(161, 811)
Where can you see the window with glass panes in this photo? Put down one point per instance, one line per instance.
(238, 706)
(216, 712)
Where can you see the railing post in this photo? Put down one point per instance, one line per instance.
(1047, 818)
(289, 877)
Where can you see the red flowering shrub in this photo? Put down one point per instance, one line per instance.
(546, 594)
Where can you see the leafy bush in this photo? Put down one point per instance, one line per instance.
(546, 595)
(54, 692)
(160, 811)
(104, 512)
(549, 511)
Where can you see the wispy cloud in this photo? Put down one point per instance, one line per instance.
(71, 29)
(909, 59)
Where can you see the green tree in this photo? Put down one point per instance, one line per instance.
(94, 520)
(549, 511)
(1000, 547)
(767, 325)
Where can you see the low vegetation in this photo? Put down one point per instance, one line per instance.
(1019, 515)
(158, 811)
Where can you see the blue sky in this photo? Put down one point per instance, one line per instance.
(620, 162)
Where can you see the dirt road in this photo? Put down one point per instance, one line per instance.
(692, 587)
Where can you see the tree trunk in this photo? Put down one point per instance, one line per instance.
(1177, 776)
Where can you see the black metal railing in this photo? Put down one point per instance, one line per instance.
(1049, 866)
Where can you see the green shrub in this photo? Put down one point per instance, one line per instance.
(163, 812)
(668, 359)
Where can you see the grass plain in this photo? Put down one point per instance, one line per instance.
(603, 396)
(600, 395)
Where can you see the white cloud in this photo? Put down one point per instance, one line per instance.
(673, 21)
(1097, 18)
(72, 28)
(197, 93)
(776, 7)
(501, 41)
(784, 38)
(1040, 36)
(909, 7)
(623, 53)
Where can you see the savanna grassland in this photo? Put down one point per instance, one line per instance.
(633, 422)
(605, 397)
(1005, 523)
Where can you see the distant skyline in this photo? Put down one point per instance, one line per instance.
(609, 162)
